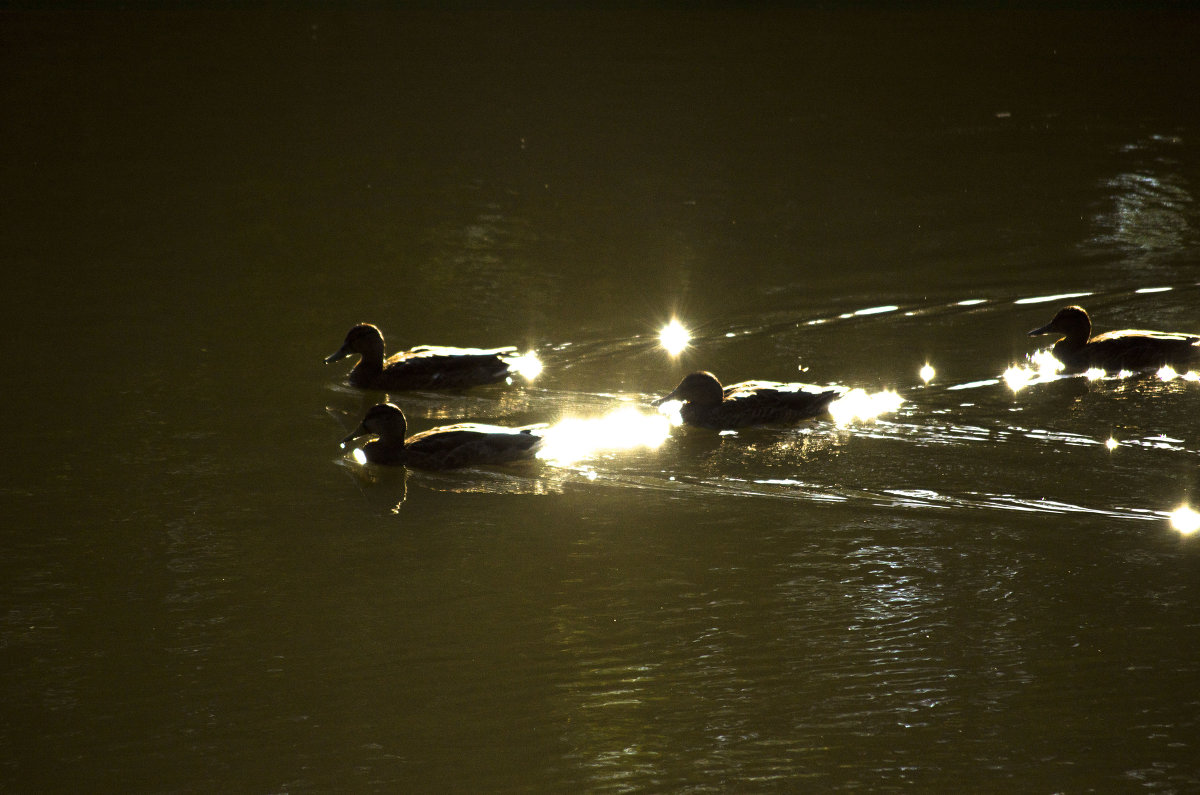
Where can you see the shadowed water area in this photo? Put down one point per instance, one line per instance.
(986, 586)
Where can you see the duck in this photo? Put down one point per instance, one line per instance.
(706, 404)
(1127, 349)
(423, 367)
(445, 447)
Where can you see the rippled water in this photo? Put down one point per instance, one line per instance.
(617, 438)
(987, 586)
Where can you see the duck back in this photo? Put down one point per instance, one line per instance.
(1131, 349)
(436, 368)
(469, 444)
(763, 403)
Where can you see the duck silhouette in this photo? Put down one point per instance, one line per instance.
(1127, 349)
(423, 367)
(706, 404)
(445, 447)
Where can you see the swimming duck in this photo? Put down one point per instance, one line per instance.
(1128, 349)
(424, 367)
(709, 405)
(446, 447)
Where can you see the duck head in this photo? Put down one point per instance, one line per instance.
(1072, 322)
(699, 388)
(384, 420)
(364, 339)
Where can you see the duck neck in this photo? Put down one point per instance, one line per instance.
(385, 451)
(1070, 353)
(1071, 343)
(370, 362)
(1077, 336)
(695, 413)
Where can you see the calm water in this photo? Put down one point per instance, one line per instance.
(199, 592)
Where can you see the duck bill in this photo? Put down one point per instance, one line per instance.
(340, 353)
(359, 431)
(665, 398)
(1046, 329)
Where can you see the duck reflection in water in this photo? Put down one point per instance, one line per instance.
(427, 366)
(1135, 350)
(446, 447)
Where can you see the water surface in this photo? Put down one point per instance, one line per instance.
(981, 588)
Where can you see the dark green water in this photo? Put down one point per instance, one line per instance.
(199, 593)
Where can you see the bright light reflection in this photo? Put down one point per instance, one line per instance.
(670, 410)
(573, 439)
(1093, 374)
(674, 337)
(927, 373)
(858, 405)
(527, 365)
(1041, 365)
(359, 456)
(1044, 299)
(1185, 520)
(1017, 377)
(876, 310)
(1111, 444)
(1167, 373)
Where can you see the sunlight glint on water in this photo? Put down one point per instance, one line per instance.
(1185, 520)
(670, 410)
(527, 364)
(1045, 299)
(1167, 373)
(674, 337)
(858, 404)
(574, 439)
(1042, 366)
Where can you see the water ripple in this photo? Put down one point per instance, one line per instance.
(933, 452)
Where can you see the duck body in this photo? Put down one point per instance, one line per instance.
(1127, 349)
(446, 447)
(423, 367)
(706, 404)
